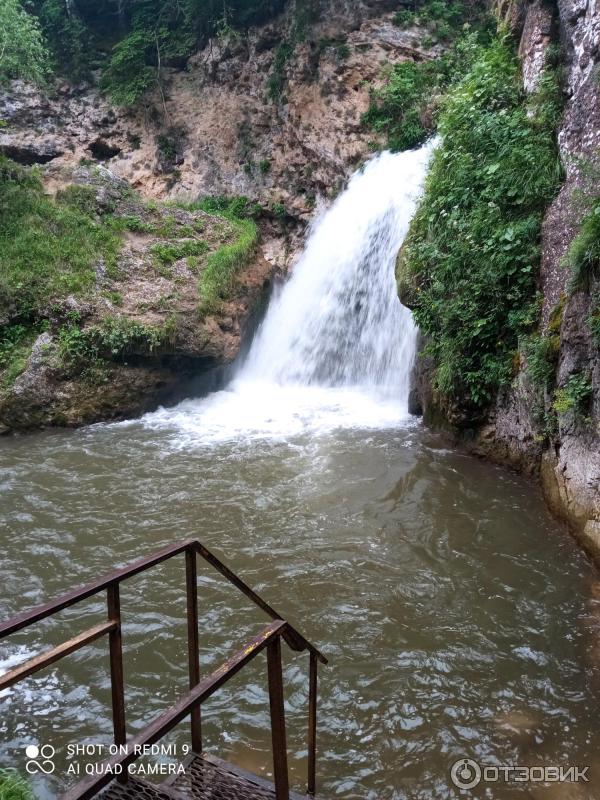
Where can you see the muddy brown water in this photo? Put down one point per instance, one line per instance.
(457, 615)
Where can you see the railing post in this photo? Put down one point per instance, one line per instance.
(278, 737)
(312, 726)
(191, 577)
(115, 644)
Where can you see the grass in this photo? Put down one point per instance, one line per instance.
(166, 253)
(47, 248)
(217, 279)
(13, 786)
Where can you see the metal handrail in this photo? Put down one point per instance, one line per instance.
(200, 689)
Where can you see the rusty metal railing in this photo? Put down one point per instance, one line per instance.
(199, 688)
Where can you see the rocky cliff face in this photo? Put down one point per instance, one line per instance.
(245, 117)
(568, 457)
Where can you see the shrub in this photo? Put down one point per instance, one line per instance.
(23, 53)
(574, 396)
(473, 248)
(128, 75)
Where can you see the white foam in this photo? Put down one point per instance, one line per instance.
(336, 347)
(260, 409)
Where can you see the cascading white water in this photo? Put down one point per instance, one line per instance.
(336, 346)
(338, 321)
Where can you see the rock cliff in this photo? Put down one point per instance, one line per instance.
(566, 454)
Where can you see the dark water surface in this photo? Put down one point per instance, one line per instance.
(457, 615)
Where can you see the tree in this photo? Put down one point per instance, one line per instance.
(23, 53)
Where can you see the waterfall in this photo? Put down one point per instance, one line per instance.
(336, 346)
(339, 322)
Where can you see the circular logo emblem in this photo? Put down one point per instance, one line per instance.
(40, 759)
(465, 773)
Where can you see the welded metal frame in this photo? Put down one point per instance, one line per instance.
(200, 689)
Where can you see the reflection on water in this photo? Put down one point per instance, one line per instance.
(458, 617)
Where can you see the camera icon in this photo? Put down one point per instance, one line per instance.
(40, 759)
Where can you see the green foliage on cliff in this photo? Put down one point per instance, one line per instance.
(541, 355)
(473, 248)
(23, 53)
(305, 12)
(441, 19)
(217, 279)
(400, 109)
(574, 396)
(140, 36)
(405, 108)
(114, 338)
(47, 248)
(584, 254)
(15, 346)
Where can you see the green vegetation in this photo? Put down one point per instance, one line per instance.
(47, 248)
(441, 19)
(230, 207)
(593, 319)
(141, 36)
(115, 337)
(53, 248)
(277, 79)
(574, 396)
(584, 254)
(473, 248)
(217, 279)
(169, 252)
(22, 50)
(15, 348)
(305, 12)
(13, 786)
(406, 107)
(541, 354)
